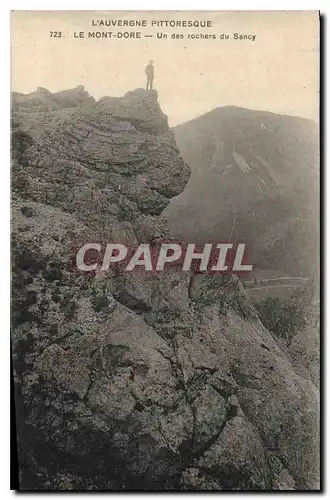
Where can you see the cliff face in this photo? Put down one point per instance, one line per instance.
(129, 381)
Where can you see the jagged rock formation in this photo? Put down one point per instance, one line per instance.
(127, 381)
(254, 179)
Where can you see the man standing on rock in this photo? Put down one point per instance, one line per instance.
(150, 72)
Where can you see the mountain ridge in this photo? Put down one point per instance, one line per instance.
(256, 168)
(233, 107)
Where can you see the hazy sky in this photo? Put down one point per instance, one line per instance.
(276, 72)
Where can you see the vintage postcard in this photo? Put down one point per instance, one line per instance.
(165, 250)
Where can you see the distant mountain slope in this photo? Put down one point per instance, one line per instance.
(255, 179)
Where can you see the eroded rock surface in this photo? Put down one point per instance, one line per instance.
(160, 390)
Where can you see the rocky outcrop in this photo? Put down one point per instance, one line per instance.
(43, 100)
(126, 381)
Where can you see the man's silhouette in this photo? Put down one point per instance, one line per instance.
(150, 72)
